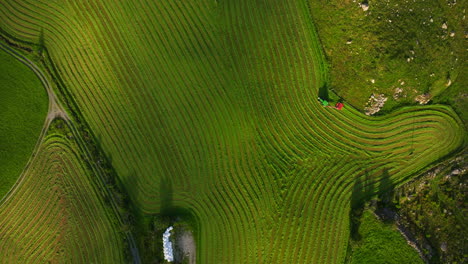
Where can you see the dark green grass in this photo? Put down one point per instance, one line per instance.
(23, 108)
(456, 96)
(381, 243)
(435, 205)
(395, 44)
(221, 109)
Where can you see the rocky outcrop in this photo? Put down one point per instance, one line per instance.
(423, 98)
(375, 103)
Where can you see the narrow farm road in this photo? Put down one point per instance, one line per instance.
(216, 118)
(56, 110)
(55, 107)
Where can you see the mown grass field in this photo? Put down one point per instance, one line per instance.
(57, 214)
(23, 108)
(211, 106)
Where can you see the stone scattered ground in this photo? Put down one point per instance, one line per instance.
(375, 103)
(423, 98)
(185, 249)
(398, 93)
(431, 211)
(379, 46)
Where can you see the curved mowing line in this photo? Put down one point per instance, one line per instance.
(220, 98)
(69, 209)
(54, 110)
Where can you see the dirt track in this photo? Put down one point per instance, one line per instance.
(55, 110)
(186, 247)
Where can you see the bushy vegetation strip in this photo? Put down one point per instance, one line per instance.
(211, 106)
(90, 151)
(57, 213)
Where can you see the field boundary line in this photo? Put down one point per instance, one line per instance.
(57, 111)
(54, 109)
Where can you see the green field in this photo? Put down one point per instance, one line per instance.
(211, 107)
(23, 109)
(57, 214)
(419, 48)
(381, 243)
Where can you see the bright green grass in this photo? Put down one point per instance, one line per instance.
(23, 108)
(381, 244)
(57, 214)
(211, 106)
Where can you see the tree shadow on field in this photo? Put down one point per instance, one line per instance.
(171, 212)
(362, 192)
(386, 192)
(166, 196)
(323, 92)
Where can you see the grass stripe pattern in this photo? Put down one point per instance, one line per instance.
(58, 214)
(219, 98)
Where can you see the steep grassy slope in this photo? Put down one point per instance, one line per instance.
(56, 214)
(23, 108)
(381, 243)
(211, 106)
